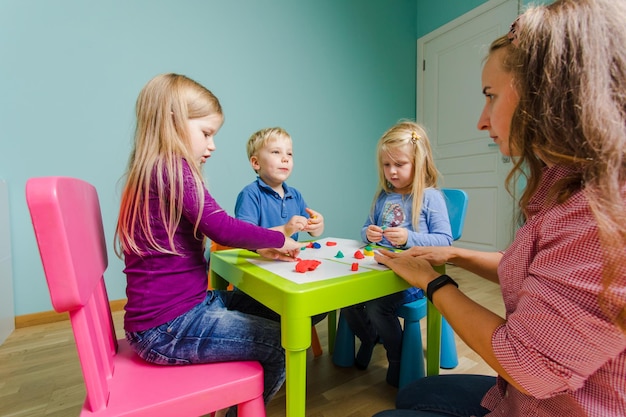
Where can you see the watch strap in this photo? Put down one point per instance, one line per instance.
(437, 283)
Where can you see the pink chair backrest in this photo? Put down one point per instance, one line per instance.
(66, 217)
(68, 226)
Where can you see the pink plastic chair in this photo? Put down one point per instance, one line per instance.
(68, 226)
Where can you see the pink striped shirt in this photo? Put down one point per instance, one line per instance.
(557, 343)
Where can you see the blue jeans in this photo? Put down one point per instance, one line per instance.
(442, 395)
(210, 332)
(378, 318)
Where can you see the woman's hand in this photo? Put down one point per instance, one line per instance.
(416, 271)
(315, 223)
(435, 255)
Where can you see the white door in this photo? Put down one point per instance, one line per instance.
(449, 102)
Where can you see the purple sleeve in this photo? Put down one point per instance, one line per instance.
(222, 228)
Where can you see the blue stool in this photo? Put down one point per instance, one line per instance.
(343, 353)
(412, 359)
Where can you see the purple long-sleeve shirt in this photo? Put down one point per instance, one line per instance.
(162, 286)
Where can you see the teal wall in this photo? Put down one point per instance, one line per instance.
(433, 14)
(335, 74)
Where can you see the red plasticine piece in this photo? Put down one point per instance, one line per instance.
(310, 245)
(307, 265)
(359, 255)
(331, 243)
(355, 266)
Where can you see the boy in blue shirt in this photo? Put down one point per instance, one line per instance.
(269, 202)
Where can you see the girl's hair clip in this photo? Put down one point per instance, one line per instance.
(512, 35)
(414, 137)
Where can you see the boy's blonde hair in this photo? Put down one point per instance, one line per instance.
(161, 143)
(426, 175)
(261, 138)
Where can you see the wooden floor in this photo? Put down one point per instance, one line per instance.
(40, 374)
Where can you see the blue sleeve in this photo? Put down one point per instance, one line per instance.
(248, 205)
(434, 217)
(372, 218)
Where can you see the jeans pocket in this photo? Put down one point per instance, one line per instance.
(158, 358)
(156, 345)
(136, 338)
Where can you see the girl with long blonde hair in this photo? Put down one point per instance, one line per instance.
(166, 214)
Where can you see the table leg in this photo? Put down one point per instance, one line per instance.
(433, 333)
(296, 338)
(332, 330)
(433, 338)
(295, 384)
(217, 282)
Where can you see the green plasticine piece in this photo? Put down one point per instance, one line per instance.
(339, 255)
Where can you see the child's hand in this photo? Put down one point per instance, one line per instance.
(289, 252)
(397, 236)
(294, 225)
(315, 223)
(277, 254)
(374, 233)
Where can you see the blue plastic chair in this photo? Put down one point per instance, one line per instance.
(412, 360)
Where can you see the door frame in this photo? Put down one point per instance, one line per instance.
(501, 234)
(490, 4)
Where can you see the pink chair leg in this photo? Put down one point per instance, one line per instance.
(252, 408)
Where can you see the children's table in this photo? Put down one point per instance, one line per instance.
(296, 302)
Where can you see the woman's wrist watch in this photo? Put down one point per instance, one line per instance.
(437, 283)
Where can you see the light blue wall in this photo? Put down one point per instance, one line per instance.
(335, 74)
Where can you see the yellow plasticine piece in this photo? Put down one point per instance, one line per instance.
(368, 252)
